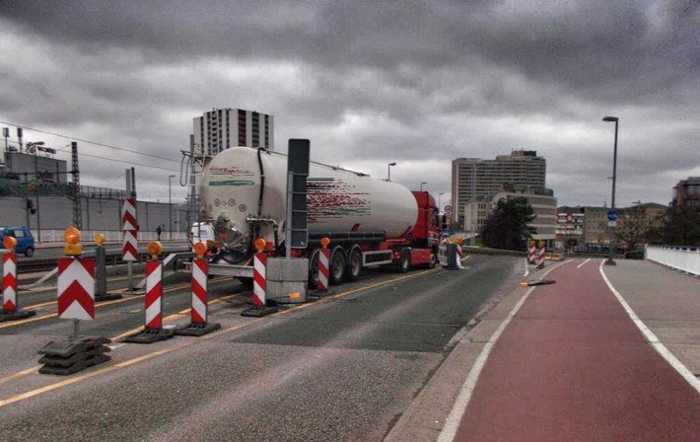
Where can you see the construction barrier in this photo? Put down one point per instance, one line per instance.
(76, 301)
(541, 252)
(153, 301)
(324, 259)
(532, 252)
(130, 249)
(10, 310)
(101, 293)
(442, 254)
(199, 310)
(76, 288)
(260, 307)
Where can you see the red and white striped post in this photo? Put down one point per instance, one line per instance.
(9, 279)
(130, 246)
(10, 306)
(532, 253)
(153, 300)
(540, 255)
(153, 305)
(259, 300)
(199, 311)
(324, 259)
(259, 270)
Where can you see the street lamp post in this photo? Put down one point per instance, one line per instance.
(33, 146)
(388, 171)
(421, 185)
(170, 206)
(616, 120)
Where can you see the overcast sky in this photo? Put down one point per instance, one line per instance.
(369, 82)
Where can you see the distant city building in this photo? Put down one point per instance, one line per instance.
(544, 206)
(23, 167)
(687, 193)
(475, 179)
(475, 215)
(220, 129)
(570, 227)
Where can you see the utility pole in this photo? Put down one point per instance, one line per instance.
(75, 188)
(170, 206)
(193, 189)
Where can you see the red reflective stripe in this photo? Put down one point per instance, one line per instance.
(76, 293)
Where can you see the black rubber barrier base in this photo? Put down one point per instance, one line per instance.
(258, 312)
(107, 297)
(541, 282)
(17, 315)
(195, 329)
(150, 335)
(73, 355)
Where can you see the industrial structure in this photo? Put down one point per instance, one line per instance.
(475, 179)
(220, 129)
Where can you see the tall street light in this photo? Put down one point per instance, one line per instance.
(388, 171)
(170, 206)
(616, 120)
(421, 185)
(32, 147)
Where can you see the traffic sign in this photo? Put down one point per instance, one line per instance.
(612, 215)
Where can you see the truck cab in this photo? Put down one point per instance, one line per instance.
(25, 240)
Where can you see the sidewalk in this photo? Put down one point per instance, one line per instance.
(571, 365)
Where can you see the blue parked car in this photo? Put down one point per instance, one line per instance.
(25, 240)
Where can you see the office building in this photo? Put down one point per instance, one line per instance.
(475, 179)
(544, 206)
(687, 193)
(219, 129)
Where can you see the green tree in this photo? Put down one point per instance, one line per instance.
(682, 226)
(507, 226)
(634, 228)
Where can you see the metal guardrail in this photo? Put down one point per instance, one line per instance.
(683, 258)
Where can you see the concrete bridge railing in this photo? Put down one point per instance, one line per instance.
(683, 258)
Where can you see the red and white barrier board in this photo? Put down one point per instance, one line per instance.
(200, 269)
(532, 254)
(259, 271)
(324, 258)
(9, 282)
(153, 303)
(76, 288)
(130, 229)
(540, 256)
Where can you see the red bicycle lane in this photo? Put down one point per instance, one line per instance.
(572, 366)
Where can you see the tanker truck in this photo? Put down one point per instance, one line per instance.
(369, 222)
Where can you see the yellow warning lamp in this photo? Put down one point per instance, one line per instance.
(200, 249)
(99, 239)
(72, 238)
(10, 242)
(260, 244)
(154, 249)
(325, 241)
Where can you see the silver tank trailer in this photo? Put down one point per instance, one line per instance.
(339, 200)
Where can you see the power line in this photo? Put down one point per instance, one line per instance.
(83, 140)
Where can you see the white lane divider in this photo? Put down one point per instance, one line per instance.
(583, 263)
(651, 337)
(449, 431)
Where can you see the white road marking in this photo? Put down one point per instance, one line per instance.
(583, 263)
(449, 431)
(651, 337)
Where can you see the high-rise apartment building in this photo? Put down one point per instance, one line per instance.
(475, 179)
(219, 129)
(687, 193)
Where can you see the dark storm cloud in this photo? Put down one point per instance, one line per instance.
(372, 82)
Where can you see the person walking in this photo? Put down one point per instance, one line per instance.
(159, 230)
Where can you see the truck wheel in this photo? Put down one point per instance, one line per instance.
(405, 261)
(338, 265)
(433, 261)
(354, 264)
(29, 252)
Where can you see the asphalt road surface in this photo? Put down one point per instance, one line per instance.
(343, 368)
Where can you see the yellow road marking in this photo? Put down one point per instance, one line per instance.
(129, 362)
